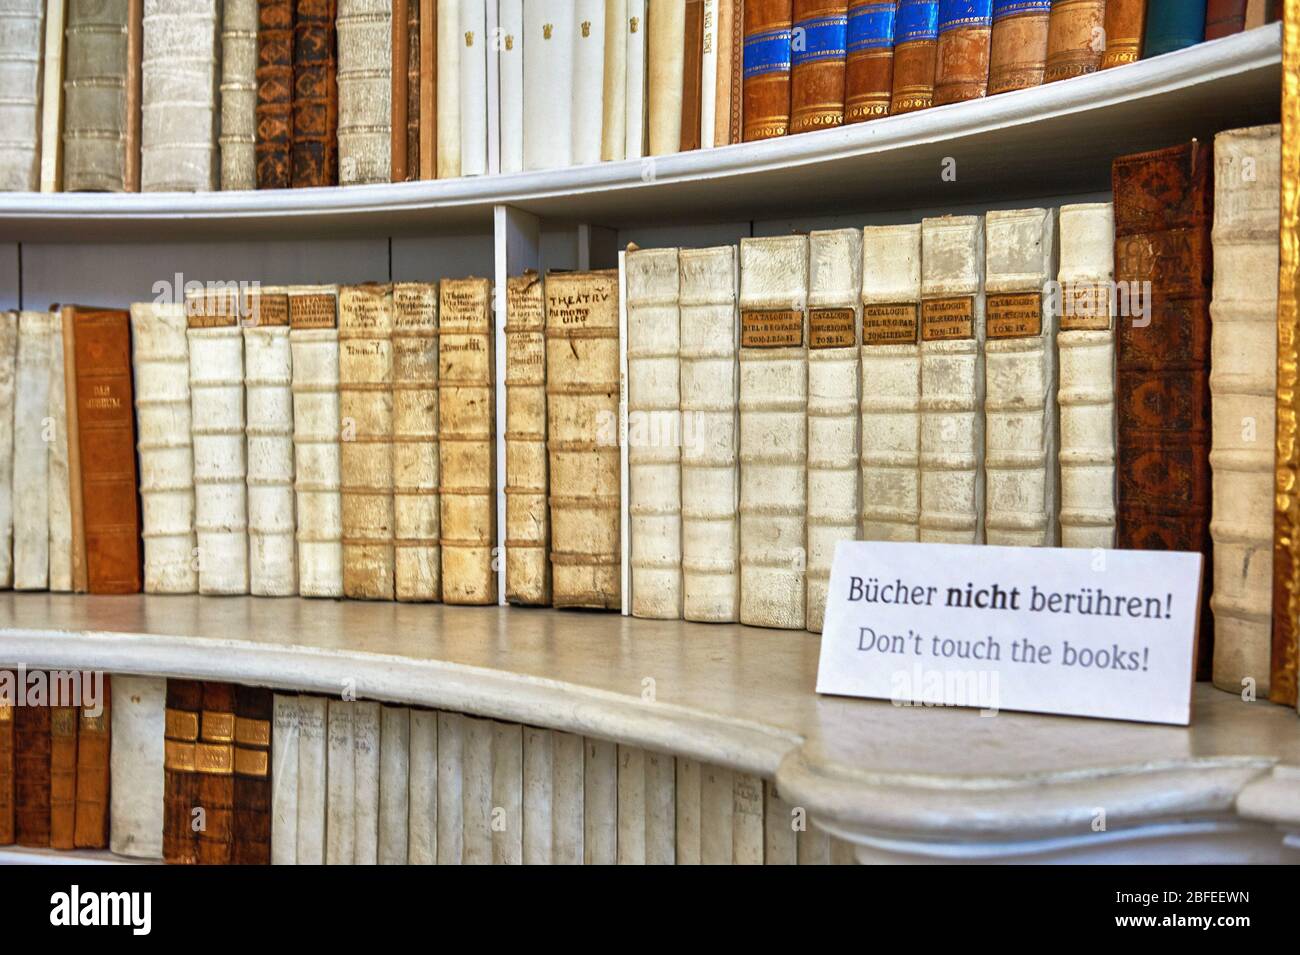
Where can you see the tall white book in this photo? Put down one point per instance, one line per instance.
(634, 97)
(510, 60)
(549, 28)
(773, 430)
(313, 784)
(1086, 347)
(8, 358)
(60, 477)
(476, 792)
(588, 80)
(952, 380)
(710, 440)
(1243, 387)
(600, 802)
(286, 724)
(507, 816)
(613, 133)
(709, 74)
(366, 741)
(136, 776)
(449, 44)
(647, 809)
(473, 87)
(394, 784)
(553, 810)
(422, 810)
(451, 779)
(891, 382)
(31, 492)
(834, 334)
(341, 785)
(654, 433)
(1020, 457)
(665, 55)
(20, 94)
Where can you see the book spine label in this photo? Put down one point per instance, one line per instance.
(315, 94)
(1018, 44)
(415, 442)
(819, 44)
(767, 61)
(528, 522)
(1076, 39)
(916, 36)
(869, 66)
(962, 53)
(1125, 25)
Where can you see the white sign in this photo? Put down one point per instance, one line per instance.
(1108, 633)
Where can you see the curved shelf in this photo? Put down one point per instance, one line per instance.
(1053, 139)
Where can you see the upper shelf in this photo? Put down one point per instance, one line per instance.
(1055, 139)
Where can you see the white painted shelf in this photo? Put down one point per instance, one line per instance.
(1053, 139)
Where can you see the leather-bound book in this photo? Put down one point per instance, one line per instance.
(1173, 25)
(8, 360)
(252, 780)
(50, 153)
(588, 80)
(510, 65)
(63, 777)
(239, 53)
(418, 563)
(400, 43)
(466, 446)
(1260, 12)
(180, 838)
(93, 753)
(766, 108)
(428, 100)
(961, 66)
(1018, 48)
(1224, 18)
(32, 752)
(138, 782)
(916, 38)
(411, 29)
(869, 63)
(817, 69)
(178, 140)
(76, 503)
(1076, 38)
(447, 65)
(106, 439)
(275, 88)
(1163, 208)
(214, 766)
(528, 520)
(635, 94)
(582, 396)
(365, 67)
(366, 433)
(472, 60)
(315, 157)
(613, 132)
(665, 71)
(1125, 25)
(692, 75)
(95, 97)
(286, 733)
(31, 468)
(60, 475)
(20, 94)
(7, 753)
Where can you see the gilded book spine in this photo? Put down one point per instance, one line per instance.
(180, 118)
(315, 94)
(1076, 38)
(238, 139)
(962, 54)
(275, 87)
(528, 521)
(95, 97)
(767, 61)
(1018, 48)
(916, 36)
(1125, 25)
(20, 94)
(416, 531)
(869, 67)
(817, 64)
(365, 90)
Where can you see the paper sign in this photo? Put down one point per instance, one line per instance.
(1105, 633)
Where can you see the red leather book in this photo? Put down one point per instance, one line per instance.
(274, 93)
(63, 777)
(315, 95)
(766, 86)
(93, 746)
(252, 821)
(1163, 213)
(869, 67)
(6, 768)
(1224, 17)
(961, 70)
(180, 780)
(32, 775)
(817, 64)
(214, 765)
(916, 35)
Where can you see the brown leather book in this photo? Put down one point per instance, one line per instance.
(274, 93)
(1260, 12)
(63, 777)
(428, 89)
(692, 65)
(869, 62)
(398, 91)
(1163, 212)
(961, 68)
(817, 65)
(315, 95)
(106, 444)
(916, 37)
(180, 781)
(32, 775)
(735, 128)
(412, 117)
(134, 78)
(766, 84)
(1018, 48)
(1224, 17)
(214, 764)
(1126, 22)
(7, 765)
(1076, 38)
(93, 774)
(252, 820)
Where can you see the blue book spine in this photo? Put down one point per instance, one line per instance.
(1173, 25)
(917, 20)
(1011, 8)
(871, 27)
(955, 14)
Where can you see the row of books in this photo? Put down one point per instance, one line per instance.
(215, 773)
(197, 95)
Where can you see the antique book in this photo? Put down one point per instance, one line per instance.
(252, 783)
(735, 124)
(1224, 18)
(1260, 12)
(665, 70)
(720, 816)
(869, 63)
(961, 65)
(422, 795)
(582, 397)
(553, 797)
(646, 807)
(1018, 47)
(216, 350)
(398, 97)
(1125, 25)
(466, 441)
(313, 730)
(238, 91)
(394, 784)
(429, 88)
(476, 793)
(275, 90)
(179, 112)
(773, 430)
(654, 432)
(952, 380)
(1243, 386)
(916, 37)
(32, 764)
(341, 784)
(366, 438)
(1076, 38)
(446, 64)
(76, 500)
(727, 15)
(634, 117)
(214, 767)
(315, 155)
(181, 797)
(134, 91)
(50, 153)
(409, 80)
(600, 802)
(692, 75)
(314, 344)
(708, 72)
(528, 519)
(286, 725)
(20, 95)
(95, 97)
(364, 84)
(506, 820)
(549, 30)
(7, 708)
(8, 376)
(588, 80)
(1086, 344)
(63, 776)
(472, 59)
(767, 59)
(510, 65)
(162, 408)
(366, 731)
(31, 469)
(60, 493)
(136, 774)
(268, 378)
(710, 470)
(90, 822)
(1172, 25)
(1020, 379)
(1163, 209)
(817, 70)
(450, 837)
(417, 566)
(834, 336)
